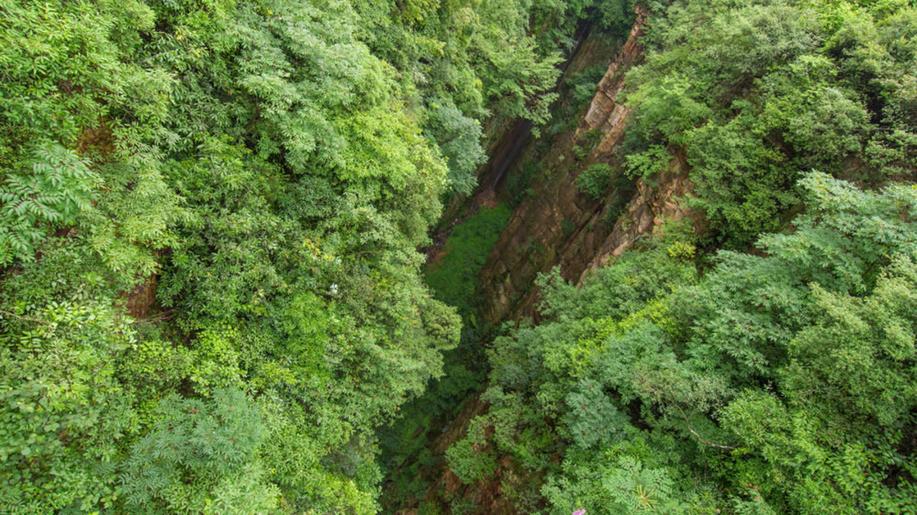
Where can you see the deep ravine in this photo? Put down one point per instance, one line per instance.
(526, 216)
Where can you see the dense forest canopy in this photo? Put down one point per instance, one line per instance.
(760, 357)
(211, 289)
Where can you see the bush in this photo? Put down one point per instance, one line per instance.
(595, 180)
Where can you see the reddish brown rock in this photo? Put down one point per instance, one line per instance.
(558, 225)
(646, 212)
(142, 299)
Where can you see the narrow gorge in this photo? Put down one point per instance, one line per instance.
(547, 219)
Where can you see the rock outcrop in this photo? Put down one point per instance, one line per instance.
(653, 205)
(558, 225)
(605, 113)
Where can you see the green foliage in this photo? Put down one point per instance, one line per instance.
(595, 180)
(583, 84)
(773, 383)
(755, 92)
(582, 149)
(462, 61)
(65, 412)
(469, 458)
(615, 16)
(51, 194)
(455, 277)
(249, 182)
(201, 456)
(648, 163)
(211, 297)
(459, 140)
(627, 477)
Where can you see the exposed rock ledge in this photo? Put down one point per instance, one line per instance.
(560, 226)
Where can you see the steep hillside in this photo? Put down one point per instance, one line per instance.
(456, 261)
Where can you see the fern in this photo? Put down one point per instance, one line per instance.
(57, 187)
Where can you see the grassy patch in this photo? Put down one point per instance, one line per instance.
(454, 279)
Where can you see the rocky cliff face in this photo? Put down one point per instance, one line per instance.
(652, 205)
(605, 113)
(558, 225)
